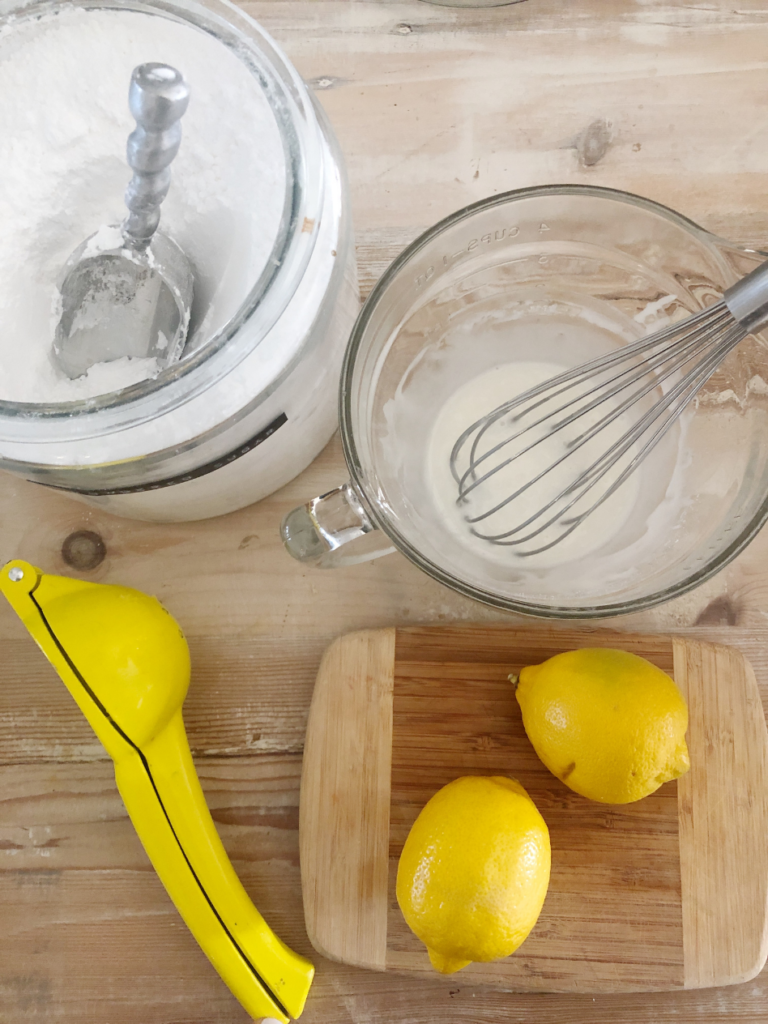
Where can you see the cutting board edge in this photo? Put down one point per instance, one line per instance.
(364, 739)
(717, 901)
(528, 984)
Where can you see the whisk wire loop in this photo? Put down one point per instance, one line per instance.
(622, 381)
(685, 391)
(652, 382)
(587, 371)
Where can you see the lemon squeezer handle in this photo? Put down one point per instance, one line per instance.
(125, 661)
(165, 801)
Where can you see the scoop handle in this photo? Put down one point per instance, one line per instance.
(157, 97)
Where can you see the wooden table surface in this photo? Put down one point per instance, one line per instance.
(434, 107)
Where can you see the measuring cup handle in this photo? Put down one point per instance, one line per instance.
(333, 530)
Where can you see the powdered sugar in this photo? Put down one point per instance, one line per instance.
(64, 121)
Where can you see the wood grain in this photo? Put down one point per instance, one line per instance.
(621, 913)
(89, 934)
(249, 695)
(434, 108)
(723, 804)
(344, 822)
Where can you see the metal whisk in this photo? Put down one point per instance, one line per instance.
(616, 389)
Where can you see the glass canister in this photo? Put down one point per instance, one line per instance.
(244, 412)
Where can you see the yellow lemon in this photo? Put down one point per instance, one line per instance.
(608, 723)
(474, 871)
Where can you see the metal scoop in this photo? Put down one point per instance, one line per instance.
(127, 290)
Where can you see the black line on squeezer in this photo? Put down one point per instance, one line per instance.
(144, 762)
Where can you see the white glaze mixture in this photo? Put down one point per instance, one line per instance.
(64, 121)
(476, 399)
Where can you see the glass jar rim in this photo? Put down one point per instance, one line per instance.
(358, 473)
(294, 114)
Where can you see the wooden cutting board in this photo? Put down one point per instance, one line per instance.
(670, 892)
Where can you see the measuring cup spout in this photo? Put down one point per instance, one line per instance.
(126, 662)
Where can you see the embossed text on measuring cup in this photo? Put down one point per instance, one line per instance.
(478, 242)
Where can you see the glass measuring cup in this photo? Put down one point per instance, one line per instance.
(559, 273)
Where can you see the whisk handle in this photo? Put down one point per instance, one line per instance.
(747, 300)
(158, 97)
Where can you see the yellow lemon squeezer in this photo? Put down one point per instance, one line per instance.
(125, 661)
